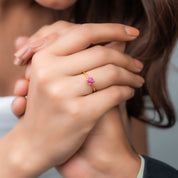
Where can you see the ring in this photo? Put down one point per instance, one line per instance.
(90, 81)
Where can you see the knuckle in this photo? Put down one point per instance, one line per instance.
(74, 110)
(60, 23)
(44, 29)
(39, 69)
(52, 96)
(56, 93)
(41, 76)
(85, 30)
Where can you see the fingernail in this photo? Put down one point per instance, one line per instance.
(38, 44)
(140, 79)
(132, 31)
(138, 64)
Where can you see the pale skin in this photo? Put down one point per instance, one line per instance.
(84, 156)
(93, 145)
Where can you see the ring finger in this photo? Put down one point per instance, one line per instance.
(104, 77)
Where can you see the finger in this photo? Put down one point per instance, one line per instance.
(104, 77)
(18, 106)
(119, 46)
(41, 39)
(102, 101)
(95, 57)
(57, 28)
(86, 35)
(23, 55)
(21, 87)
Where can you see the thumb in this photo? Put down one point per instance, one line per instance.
(18, 106)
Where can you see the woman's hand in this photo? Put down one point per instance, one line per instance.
(105, 153)
(28, 46)
(48, 34)
(49, 87)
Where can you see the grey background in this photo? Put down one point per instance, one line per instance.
(163, 143)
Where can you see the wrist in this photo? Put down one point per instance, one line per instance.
(18, 155)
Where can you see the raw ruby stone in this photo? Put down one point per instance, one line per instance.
(90, 80)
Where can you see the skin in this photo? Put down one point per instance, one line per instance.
(70, 103)
(89, 163)
(87, 152)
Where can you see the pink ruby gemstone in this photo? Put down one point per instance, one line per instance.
(90, 80)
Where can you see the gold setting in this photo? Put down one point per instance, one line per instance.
(91, 84)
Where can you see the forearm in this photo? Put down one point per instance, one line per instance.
(17, 157)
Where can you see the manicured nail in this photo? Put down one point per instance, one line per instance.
(38, 44)
(132, 31)
(138, 64)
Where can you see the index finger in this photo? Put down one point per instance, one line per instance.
(82, 36)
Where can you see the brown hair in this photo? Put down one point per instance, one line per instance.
(158, 24)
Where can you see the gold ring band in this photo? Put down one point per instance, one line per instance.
(90, 81)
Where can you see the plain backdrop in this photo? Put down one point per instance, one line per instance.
(163, 143)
